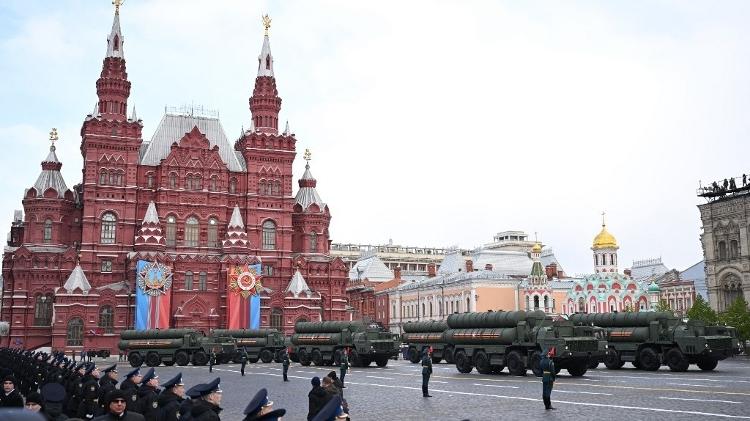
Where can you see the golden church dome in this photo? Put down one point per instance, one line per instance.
(604, 240)
(537, 248)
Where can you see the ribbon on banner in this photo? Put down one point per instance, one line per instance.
(153, 301)
(243, 297)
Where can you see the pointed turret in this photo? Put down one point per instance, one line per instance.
(287, 132)
(236, 236)
(265, 102)
(113, 87)
(307, 194)
(50, 176)
(77, 282)
(310, 217)
(298, 285)
(537, 271)
(150, 235)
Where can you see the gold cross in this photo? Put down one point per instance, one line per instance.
(307, 155)
(603, 213)
(53, 136)
(117, 4)
(266, 22)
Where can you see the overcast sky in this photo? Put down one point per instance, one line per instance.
(432, 123)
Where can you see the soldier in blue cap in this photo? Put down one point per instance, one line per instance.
(332, 411)
(148, 392)
(88, 408)
(171, 398)
(107, 383)
(186, 406)
(117, 408)
(285, 362)
(243, 360)
(54, 396)
(130, 387)
(261, 408)
(206, 407)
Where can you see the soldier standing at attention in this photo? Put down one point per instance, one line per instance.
(148, 393)
(129, 386)
(426, 372)
(548, 377)
(243, 360)
(285, 364)
(171, 398)
(211, 361)
(344, 365)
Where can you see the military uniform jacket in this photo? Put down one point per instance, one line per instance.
(426, 365)
(205, 411)
(548, 370)
(127, 416)
(147, 404)
(12, 399)
(131, 394)
(243, 357)
(169, 406)
(344, 362)
(285, 360)
(106, 385)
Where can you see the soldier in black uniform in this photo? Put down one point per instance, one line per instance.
(171, 399)
(89, 406)
(243, 360)
(117, 409)
(285, 364)
(548, 377)
(344, 367)
(75, 390)
(148, 393)
(11, 397)
(107, 383)
(54, 396)
(426, 372)
(206, 407)
(129, 386)
(211, 361)
(260, 408)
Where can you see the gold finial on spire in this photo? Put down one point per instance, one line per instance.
(308, 155)
(53, 136)
(603, 213)
(266, 23)
(117, 4)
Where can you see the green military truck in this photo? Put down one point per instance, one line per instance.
(265, 345)
(322, 343)
(493, 340)
(650, 339)
(419, 336)
(721, 330)
(172, 346)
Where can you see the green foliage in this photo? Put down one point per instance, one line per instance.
(663, 305)
(702, 311)
(738, 315)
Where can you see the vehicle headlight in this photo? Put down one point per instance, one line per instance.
(706, 345)
(567, 347)
(606, 346)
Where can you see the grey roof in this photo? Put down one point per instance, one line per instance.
(151, 215)
(265, 51)
(236, 221)
(646, 269)
(297, 285)
(371, 268)
(50, 178)
(548, 257)
(307, 195)
(111, 51)
(452, 262)
(173, 127)
(77, 280)
(516, 263)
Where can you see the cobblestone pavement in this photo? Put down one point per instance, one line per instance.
(394, 392)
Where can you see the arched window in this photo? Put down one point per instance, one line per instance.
(191, 232)
(106, 319)
(536, 302)
(722, 250)
(173, 180)
(268, 270)
(197, 182)
(528, 302)
(75, 332)
(262, 188)
(189, 281)
(233, 185)
(596, 259)
(150, 180)
(269, 235)
(213, 232)
(171, 231)
(546, 303)
(423, 310)
(109, 228)
(276, 186)
(612, 259)
(430, 308)
(733, 249)
(103, 177)
(276, 319)
(43, 310)
(202, 281)
(189, 182)
(468, 305)
(302, 319)
(313, 242)
(213, 186)
(48, 230)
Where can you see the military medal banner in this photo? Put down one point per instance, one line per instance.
(153, 300)
(243, 297)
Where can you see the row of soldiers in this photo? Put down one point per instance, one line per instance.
(85, 392)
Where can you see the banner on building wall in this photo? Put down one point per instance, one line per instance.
(152, 297)
(243, 297)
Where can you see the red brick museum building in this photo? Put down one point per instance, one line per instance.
(187, 199)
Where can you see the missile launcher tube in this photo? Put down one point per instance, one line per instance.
(149, 343)
(419, 327)
(423, 337)
(328, 327)
(244, 333)
(628, 334)
(316, 339)
(158, 334)
(637, 319)
(500, 336)
(499, 319)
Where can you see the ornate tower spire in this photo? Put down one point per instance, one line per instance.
(236, 237)
(113, 87)
(265, 102)
(50, 176)
(149, 236)
(605, 250)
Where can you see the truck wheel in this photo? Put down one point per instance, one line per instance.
(200, 358)
(535, 363)
(279, 356)
(337, 357)
(135, 359)
(436, 360)
(578, 368)
(676, 360)
(707, 364)
(482, 363)
(266, 356)
(448, 355)
(365, 361)
(413, 355)
(463, 364)
(381, 361)
(497, 369)
(304, 359)
(168, 363)
(153, 359)
(316, 357)
(593, 364)
(515, 364)
(612, 360)
(181, 358)
(354, 358)
(649, 359)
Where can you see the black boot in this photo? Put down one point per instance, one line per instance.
(425, 393)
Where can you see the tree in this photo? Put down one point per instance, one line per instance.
(738, 316)
(663, 305)
(702, 311)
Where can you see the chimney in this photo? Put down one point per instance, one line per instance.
(397, 272)
(431, 271)
(550, 270)
(627, 272)
(488, 266)
(470, 265)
